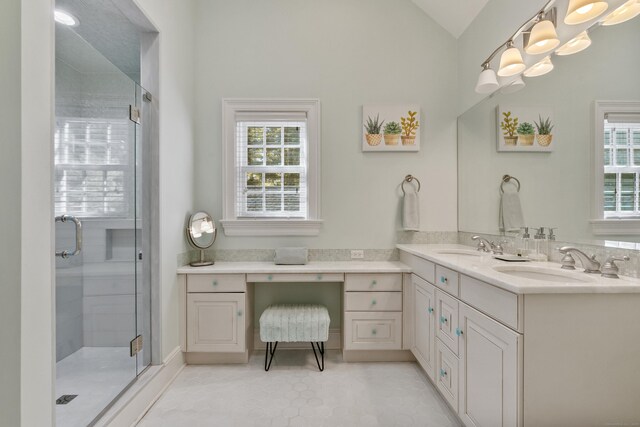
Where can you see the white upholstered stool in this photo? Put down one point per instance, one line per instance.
(294, 323)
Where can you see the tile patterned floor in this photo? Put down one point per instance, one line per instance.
(295, 393)
(97, 375)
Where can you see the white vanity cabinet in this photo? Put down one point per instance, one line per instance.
(217, 313)
(424, 312)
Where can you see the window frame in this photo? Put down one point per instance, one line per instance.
(599, 224)
(276, 226)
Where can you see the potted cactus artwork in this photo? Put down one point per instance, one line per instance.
(409, 126)
(544, 128)
(510, 127)
(392, 132)
(526, 133)
(373, 128)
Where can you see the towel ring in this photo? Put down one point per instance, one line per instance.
(508, 178)
(409, 178)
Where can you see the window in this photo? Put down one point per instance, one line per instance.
(271, 160)
(93, 168)
(617, 168)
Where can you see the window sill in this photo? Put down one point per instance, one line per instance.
(271, 227)
(616, 227)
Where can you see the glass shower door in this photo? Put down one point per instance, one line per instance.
(95, 162)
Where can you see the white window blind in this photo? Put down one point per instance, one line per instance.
(94, 167)
(622, 166)
(272, 165)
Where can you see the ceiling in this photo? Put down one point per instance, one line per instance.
(453, 15)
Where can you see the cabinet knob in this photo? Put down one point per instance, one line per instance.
(239, 313)
(373, 302)
(443, 373)
(319, 277)
(374, 282)
(269, 277)
(430, 310)
(443, 319)
(215, 283)
(373, 332)
(443, 279)
(458, 332)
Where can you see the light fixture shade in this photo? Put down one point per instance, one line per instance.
(539, 69)
(575, 45)
(65, 18)
(580, 11)
(627, 11)
(513, 86)
(487, 81)
(511, 63)
(543, 38)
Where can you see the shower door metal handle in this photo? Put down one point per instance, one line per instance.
(78, 224)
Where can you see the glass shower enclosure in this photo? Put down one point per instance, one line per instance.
(103, 295)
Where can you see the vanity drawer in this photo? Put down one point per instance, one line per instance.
(295, 277)
(495, 302)
(373, 301)
(373, 282)
(372, 331)
(448, 280)
(419, 266)
(447, 329)
(447, 370)
(216, 283)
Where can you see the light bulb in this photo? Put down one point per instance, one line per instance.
(487, 81)
(580, 11)
(539, 69)
(627, 11)
(511, 62)
(575, 45)
(543, 38)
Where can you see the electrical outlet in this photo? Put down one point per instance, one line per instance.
(357, 254)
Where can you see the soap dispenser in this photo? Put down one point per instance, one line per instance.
(539, 240)
(522, 245)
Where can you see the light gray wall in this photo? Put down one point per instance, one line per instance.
(10, 162)
(175, 22)
(346, 53)
(556, 186)
(37, 341)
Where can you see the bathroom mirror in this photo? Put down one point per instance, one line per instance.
(557, 187)
(201, 233)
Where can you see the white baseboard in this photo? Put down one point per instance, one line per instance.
(333, 343)
(138, 399)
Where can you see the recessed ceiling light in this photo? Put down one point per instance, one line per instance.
(65, 18)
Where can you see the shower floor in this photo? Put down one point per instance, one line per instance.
(97, 375)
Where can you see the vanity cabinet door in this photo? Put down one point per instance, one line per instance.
(447, 320)
(489, 372)
(216, 322)
(424, 327)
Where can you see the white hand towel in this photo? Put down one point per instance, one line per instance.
(510, 216)
(411, 210)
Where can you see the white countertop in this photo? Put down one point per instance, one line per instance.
(482, 268)
(312, 267)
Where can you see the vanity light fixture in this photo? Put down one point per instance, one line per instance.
(513, 86)
(581, 11)
(575, 45)
(487, 81)
(627, 11)
(65, 18)
(543, 38)
(511, 62)
(539, 69)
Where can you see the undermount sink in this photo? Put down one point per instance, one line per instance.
(463, 252)
(543, 274)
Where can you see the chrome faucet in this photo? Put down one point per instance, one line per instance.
(486, 246)
(610, 269)
(590, 263)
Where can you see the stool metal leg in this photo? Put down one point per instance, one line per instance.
(321, 350)
(269, 351)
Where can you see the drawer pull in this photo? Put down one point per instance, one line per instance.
(319, 277)
(430, 310)
(373, 283)
(269, 277)
(443, 320)
(373, 332)
(443, 279)
(373, 302)
(215, 283)
(443, 373)
(459, 332)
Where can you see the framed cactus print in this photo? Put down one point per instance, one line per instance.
(391, 127)
(528, 129)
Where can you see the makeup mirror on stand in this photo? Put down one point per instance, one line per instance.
(201, 233)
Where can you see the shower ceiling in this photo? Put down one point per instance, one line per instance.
(107, 29)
